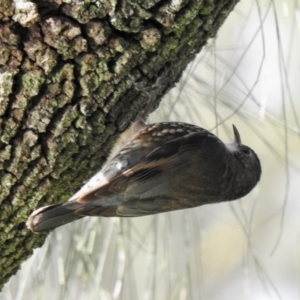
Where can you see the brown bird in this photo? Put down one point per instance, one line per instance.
(163, 167)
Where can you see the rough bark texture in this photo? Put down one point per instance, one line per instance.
(65, 92)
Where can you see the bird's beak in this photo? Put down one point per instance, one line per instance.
(237, 137)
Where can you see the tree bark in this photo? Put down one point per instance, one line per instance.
(66, 92)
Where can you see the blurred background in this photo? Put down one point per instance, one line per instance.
(248, 249)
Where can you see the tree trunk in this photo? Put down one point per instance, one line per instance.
(66, 92)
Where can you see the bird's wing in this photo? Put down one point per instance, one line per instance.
(134, 154)
(147, 178)
(147, 167)
(148, 194)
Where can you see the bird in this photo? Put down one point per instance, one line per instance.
(161, 167)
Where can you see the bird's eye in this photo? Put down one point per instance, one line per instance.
(246, 151)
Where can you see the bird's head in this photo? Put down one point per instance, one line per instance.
(246, 156)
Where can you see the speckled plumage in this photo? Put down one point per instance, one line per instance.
(162, 167)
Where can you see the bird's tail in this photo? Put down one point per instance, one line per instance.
(52, 216)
